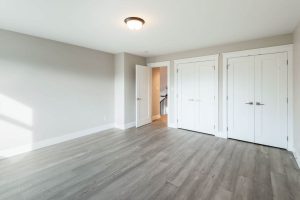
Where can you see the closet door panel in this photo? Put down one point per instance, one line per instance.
(205, 97)
(271, 79)
(241, 98)
(186, 96)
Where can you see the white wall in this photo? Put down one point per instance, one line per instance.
(297, 91)
(130, 62)
(252, 44)
(49, 89)
(119, 90)
(125, 88)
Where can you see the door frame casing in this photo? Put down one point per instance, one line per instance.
(255, 52)
(214, 58)
(168, 65)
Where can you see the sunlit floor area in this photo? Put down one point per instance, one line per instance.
(163, 120)
(151, 162)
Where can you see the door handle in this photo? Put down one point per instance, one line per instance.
(249, 103)
(138, 99)
(259, 104)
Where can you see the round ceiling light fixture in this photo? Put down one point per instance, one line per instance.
(134, 23)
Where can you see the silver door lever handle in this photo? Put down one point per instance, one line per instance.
(249, 103)
(259, 104)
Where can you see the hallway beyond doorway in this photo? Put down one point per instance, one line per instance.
(159, 93)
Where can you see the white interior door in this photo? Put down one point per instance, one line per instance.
(241, 98)
(271, 83)
(186, 96)
(143, 94)
(205, 97)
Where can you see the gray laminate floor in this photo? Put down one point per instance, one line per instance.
(152, 162)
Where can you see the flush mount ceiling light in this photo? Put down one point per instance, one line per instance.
(134, 23)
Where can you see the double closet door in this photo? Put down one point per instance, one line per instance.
(196, 97)
(257, 99)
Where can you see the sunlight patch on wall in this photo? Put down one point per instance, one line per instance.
(13, 135)
(15, 110)
(16, 121)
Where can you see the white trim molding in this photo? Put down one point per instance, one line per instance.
(254, 52)
(125, 126)
(49, 142)
(168, 65)
(214, 58)
(197, 59)
(129, 125)
(159, 64)
(172, 125)
(297, 157)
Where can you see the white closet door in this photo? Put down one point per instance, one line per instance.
(143, 94)
(196, 90)
(205, 80)
(186, 96)
(241, 98)
(271, 99)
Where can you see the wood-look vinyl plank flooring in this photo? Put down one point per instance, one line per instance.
(151, 162)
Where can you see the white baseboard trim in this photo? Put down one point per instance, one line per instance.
(172, 125)
(119, 126)
(155, 117)
(129, 125)
(125, 126)
(297, 157)
(222, 135)
(48, 142)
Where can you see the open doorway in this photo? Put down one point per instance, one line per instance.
(153, 93)
(160, 94)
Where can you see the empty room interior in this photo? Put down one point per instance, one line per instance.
(150, 100)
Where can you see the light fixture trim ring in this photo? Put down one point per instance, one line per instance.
(134, 18)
